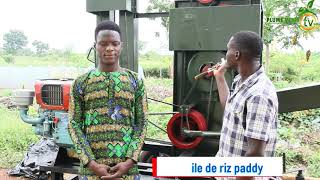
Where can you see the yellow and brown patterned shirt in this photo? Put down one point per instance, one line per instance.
(107, 118)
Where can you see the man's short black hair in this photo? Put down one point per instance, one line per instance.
(106, 25)
(249, 43)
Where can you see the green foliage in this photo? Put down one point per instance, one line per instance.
(5, 92)
(25, 52)
(301, 119)
(314, 164)
(161, 6)
(41, 47)
(156, 65)
(158, 83)
(76, 60)
(290, 74)
(156, 72)
(289, 70)
(301, 148)
(288, 35)
(8, 58)
(152, 62)
(15, 138)
(141, 46)
(159, 89)
(159, 120)
(14, 40)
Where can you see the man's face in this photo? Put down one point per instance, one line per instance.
(108, 46)
(232, 55)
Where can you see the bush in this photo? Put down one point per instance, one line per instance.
(300, 119)
(291, 74)
(9, 58)
(156, 65)
(314, 165)
(157, 72)
(293, 68)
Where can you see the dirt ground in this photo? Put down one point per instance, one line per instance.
(5, 176)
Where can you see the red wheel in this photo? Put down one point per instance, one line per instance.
(196, 122)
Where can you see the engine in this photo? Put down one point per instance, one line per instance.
(52, 97)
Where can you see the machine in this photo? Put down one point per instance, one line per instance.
(198, 34)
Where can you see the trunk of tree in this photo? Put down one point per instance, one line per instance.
(267, 58)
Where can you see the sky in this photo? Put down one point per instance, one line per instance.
(66, 24)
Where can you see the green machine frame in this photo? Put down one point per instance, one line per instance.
(198, 35)
(106, 10)
(126, 10)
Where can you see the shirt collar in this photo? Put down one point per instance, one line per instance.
(251, 79)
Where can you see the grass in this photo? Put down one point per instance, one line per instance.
(160, 89)
(302, 149)
(15, 138)
(153, 60)
(314, 166)
(293, 70)
(159, 120)
(5, 92)
(156, 82)
(148, 61)
(77, 60)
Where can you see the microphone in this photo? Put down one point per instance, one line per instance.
(210, 71)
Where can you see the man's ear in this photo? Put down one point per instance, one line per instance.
(94, 45)
(237, 55)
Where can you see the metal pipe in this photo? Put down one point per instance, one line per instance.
(163, 102)
(30, 120)
(161, 113)
(157, 126)
(191, 133)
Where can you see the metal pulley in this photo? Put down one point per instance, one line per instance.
(199, 63)
(205, 1)
(193, 120)
(210, 2)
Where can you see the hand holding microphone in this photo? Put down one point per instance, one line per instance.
(213, 71)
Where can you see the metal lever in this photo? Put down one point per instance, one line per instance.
(191, 133)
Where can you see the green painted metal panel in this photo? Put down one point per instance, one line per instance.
(108, 5)
(199, 36)
(210, 28)
(298, 99)
(197, 61)
(129, 35)
(187, 65)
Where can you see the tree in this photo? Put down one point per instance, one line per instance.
(161, 6)
(41, 47)
(287, 35)
(141, 46)
(14, 41)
